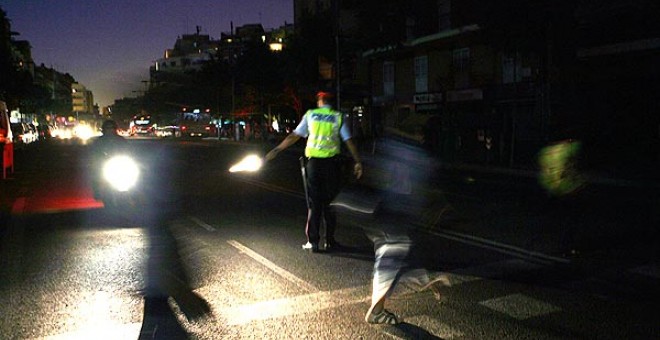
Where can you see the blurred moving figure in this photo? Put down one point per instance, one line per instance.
(101, 149)
(167, 281)
(390, 214)
(169, 284)
(561, 176)
(559, 168)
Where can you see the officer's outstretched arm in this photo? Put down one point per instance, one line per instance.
(291, 139)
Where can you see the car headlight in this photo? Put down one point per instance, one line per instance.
(121, 172)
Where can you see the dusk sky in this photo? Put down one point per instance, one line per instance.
(109, 45)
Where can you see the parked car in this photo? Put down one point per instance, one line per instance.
(34, 131)
(22, 133)
(6, 135)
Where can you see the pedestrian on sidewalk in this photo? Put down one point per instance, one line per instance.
(324, 129)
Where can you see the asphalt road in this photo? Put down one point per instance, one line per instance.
(71, 270)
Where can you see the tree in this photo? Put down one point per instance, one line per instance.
(314, 39)
(14, 82)
(260, 71)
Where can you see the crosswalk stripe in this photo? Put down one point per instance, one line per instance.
(100, 331)
(649, 270)
(297, 305)
(275, 268)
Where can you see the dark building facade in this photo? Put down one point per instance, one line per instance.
(495, 91)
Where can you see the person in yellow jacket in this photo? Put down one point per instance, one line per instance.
(324, 129)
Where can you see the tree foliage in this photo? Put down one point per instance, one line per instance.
(15, 83)
(314, 39)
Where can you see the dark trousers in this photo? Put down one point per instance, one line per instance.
(323, 181)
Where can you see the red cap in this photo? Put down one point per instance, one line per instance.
(323, 95)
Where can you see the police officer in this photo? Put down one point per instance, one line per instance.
(324, 129)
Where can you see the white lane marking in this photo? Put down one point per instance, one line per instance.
(100, 331)
(648, 270)
(275, 268)
(271, 187)
(499, 269)
(520, 306)
(201, 223)
(368, 210)
(499, 247)
(303, 304)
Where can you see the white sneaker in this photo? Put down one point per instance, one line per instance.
(313, 247)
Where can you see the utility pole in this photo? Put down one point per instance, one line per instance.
(337, 54)
(231, 68)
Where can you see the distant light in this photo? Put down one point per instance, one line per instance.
(84, 131)
(275, 46)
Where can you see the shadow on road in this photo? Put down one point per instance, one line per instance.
(406, 330)
(167, 280)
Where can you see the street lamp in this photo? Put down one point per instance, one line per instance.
(337, 54)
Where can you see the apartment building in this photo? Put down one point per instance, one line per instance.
(495, 91)
(189, 53)
(82, 99)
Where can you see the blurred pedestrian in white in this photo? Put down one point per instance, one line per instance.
(402, 207)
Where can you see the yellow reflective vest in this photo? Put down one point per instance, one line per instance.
(323, 140)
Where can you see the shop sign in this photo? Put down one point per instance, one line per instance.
(425, 98)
